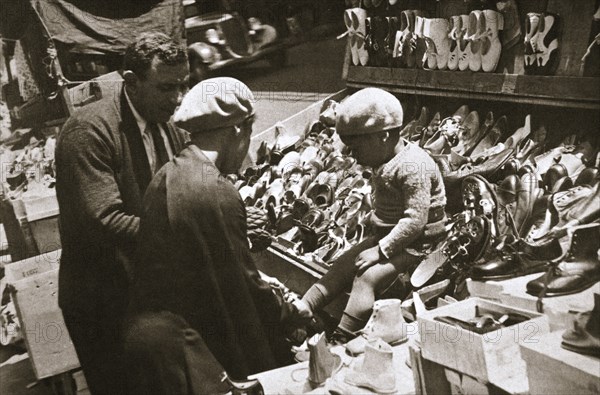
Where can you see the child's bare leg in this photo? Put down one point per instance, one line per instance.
(366, 286)
(335, 281)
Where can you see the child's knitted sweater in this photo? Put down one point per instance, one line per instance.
(408, 193)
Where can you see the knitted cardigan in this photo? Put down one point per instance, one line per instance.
(405, 189)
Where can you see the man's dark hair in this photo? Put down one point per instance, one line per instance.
(147, 46)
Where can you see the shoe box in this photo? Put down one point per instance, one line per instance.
(493, 357)
(553, 370)
(49, 345)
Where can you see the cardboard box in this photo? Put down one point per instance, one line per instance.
(50, 348)
(493, 357)
(30, 267)
(559, 309)
(554, 370)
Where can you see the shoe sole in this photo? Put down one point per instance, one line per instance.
(581, 350)
(574, 291)
(535, 269)
(397, 342)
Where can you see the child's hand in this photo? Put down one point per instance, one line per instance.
(368, 258)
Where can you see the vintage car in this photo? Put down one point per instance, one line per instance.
(218, 37)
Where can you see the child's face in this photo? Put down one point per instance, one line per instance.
(368, 149)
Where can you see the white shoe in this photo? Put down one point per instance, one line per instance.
(474, 33)
(491, 47)
(435, 33)
(376, 372)
(386, 322)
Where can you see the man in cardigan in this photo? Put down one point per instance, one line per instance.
(106, 156)
(199, 306)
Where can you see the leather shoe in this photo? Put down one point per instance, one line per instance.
(492, 137)
(588, 176)
(427, 132)
(487, 167)
(576, 206)
(584, 336)
(528, 195)
(416, 124)
(579, 270)
(518, 259)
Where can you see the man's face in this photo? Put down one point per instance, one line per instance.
(157, 96)
(239, 148)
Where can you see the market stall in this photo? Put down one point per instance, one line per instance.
(514, 132)
(504, 96)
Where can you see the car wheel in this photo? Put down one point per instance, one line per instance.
(278, 59)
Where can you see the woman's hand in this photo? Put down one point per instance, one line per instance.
(368, 258)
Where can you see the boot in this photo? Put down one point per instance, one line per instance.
(518, 259)
(376, 372)
(579, 270)
(386, 323)
(576, 206)
(322, 363)
(584, 337)
(479, 196)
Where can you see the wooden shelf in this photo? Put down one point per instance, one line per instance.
(562, 91)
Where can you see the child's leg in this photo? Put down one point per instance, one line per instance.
(365, 287)
(337, 279)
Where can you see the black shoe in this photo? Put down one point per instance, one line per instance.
(584, 336)
(523, 259)
(579, 270)
(340, 337)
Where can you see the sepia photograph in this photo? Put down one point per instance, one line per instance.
(326, 197)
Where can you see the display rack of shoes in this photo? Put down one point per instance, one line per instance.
(522, 51)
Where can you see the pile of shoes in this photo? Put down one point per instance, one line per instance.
(388, 35)
(371, 365)
(410, 39)
(307, 192)
(525, 207)
(28, 166)
(517, 206)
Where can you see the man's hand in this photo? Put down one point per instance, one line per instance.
(368, 258)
